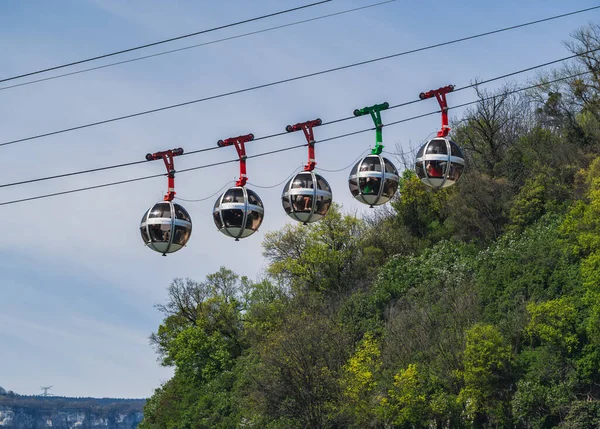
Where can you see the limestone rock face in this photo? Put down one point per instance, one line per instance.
(32, 418)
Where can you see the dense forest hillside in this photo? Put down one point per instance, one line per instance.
(474, 306)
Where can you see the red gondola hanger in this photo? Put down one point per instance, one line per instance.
(167, 156)
(238, 142)
(307, 127)
(440, 95)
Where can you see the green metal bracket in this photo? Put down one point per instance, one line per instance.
(375, 112)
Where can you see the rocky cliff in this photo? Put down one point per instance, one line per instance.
(29, 412)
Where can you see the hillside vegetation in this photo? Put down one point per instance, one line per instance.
(475, 306)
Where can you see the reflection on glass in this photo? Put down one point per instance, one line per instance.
(302, 180)
(369, 185)
(352, 183)
(371, 163)
(181, 213)
(160, 210)
(182, 234)
(159, 233)
(322, 183)
(286, 204)
(435, 169)
(233, 218)
(419, 170)
(389, 167)
(217, 219)
(253, 198)
(323, 205)
(145, 236)
(455, 150)
(389, 188)
(437, 146)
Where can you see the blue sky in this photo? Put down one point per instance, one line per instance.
(78, 286)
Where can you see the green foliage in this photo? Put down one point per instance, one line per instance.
(474, 306)
(406, 404)
(358, 383)
(554, 322)
(420, 209)
(486, 374)
(325, 256)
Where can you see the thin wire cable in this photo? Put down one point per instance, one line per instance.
(278, 184)
(206, 198)
(197, 45)
(127, 164)
(285, 149)
(346, 167)
(160, 42)
(239, 91)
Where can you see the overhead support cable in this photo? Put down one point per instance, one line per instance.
(128, 164)
(185, 48)
(287, 148)
(292, 79)
(160, 42)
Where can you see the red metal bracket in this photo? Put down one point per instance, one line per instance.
(307, 127)
(167, 156)
(440, 95)
(238, 142)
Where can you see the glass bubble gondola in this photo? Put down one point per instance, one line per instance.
(166, 227)
(306, 197)
(373, 180)
(238, 212)
(439, 163)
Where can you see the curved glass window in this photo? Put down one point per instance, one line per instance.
(371, 163)
(419, 170)
(455, 150)
(435, 168)
(253, 198)
(302, 180)
(353, 185)
(322, 184)
(217, 219)
(233, 218)
(389, 167)
(145, 236)
(369, 185)
(437, 146)
(322, 205)
(160, 210)
(182, 235)
(160, 233)
(286, 204)
(181, 213)
(389, 188)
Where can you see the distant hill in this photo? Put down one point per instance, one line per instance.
(59, 412)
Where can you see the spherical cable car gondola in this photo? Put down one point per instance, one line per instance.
(374, 179)
(238, 212)
(440, 162)
(166, 227)
(307, 196)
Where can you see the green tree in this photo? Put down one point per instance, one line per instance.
(486, 375)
